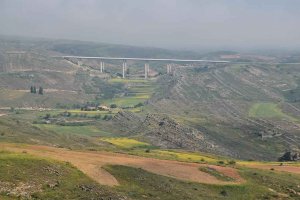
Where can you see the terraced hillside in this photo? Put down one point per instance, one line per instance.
(242, 108)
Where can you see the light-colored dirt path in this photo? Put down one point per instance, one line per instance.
(91, 164)
(284, 168)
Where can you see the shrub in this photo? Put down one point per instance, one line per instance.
(221, 162)
(107, 117)
(223, 193)
(47, 116)
(12, 109)
(97, 116)
(67, 114)
(139, 105)
(113, 106)
(41, 91)
(231, 162)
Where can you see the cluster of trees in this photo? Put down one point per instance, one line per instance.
(113, 105)
(91, 106)
(82, 115)
(138, 105)
(86, 106)
(33, 90)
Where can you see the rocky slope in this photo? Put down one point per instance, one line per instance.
(219, 101)
(160, 130)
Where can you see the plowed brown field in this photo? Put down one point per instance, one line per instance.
(91, 164)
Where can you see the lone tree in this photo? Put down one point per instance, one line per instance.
(31, 89)
(34, 89)
(41, 92)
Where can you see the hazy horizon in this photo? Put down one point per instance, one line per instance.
(190, 25)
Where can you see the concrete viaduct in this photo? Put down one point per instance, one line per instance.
(146, 60)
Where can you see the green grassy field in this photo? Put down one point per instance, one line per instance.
(98, 112)
(121, 80)
(27, 177)
(215, 173)
(140, 184)
(11, 94)
(79, 130)
(75, 137)
(23, 98)
(267, 110)
(126, 143)
(135, 147)
(183, 156)
(139, 91)
(93, 112)
(126, 101)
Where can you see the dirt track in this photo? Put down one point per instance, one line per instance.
(91, 164)
(283, 168)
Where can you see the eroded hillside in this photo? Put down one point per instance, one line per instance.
(242, 107)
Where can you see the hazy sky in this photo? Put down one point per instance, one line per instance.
(161, 23)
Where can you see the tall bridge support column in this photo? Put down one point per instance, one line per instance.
(124, 68)
(169, 69)
(79, 62)
(147, 69)
(101, 66)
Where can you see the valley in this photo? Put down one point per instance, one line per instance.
(204, 131)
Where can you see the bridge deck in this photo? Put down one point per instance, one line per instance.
(144, 59)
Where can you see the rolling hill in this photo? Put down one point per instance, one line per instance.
(206, 131)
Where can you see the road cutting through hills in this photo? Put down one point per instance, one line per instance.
(91, 164)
